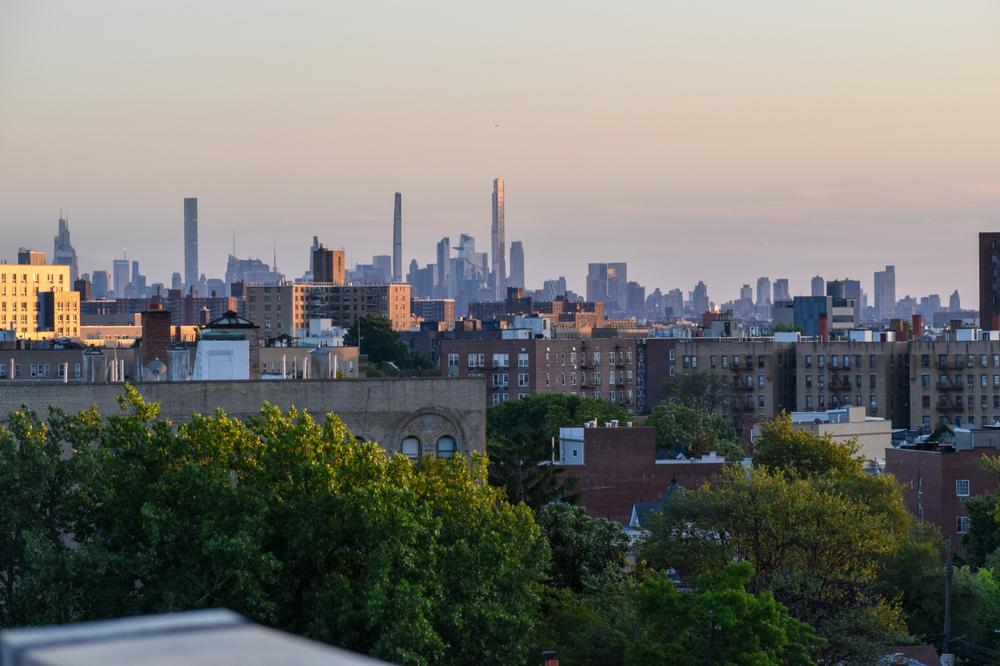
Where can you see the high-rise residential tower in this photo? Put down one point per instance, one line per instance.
(498, 267)
(63, 253)
(989, 281)
(190, 243)
(763, 291)
(516, 265)
(397, 239)
(885, 293)
(781, 290)
(119, 270)
(818, 286)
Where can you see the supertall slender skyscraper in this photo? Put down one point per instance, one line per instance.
(498, 267)
(397, 239)
(190, 242)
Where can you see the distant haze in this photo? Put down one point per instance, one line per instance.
(712, 141)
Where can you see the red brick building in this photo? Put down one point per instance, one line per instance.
(616, 467)
(937, 482)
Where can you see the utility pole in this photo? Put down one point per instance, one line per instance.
(947, 599)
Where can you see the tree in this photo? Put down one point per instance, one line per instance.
(913, 577)
(379, 341)
(582, 547)
(287, 520)
(818, 548)
(700, 390)
(523, 433)
(782, 446)
(693, 432)
(720, 623)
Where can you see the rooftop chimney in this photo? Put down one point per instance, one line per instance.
(824, 330)
(918, 326)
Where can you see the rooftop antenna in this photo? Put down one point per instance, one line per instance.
(234, 241)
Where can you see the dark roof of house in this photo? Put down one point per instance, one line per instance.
(640, 510)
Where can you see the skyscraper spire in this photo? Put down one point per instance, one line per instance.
(397, 239)
(63, 252)
(190, 243)
(498, 273)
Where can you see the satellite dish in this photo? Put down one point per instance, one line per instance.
(157, 367)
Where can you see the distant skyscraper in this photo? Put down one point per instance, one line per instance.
(517, 265)
(781, 291)
(955, 304)
(885, 293)
(397, 239)
(175, 281)
(443, 255)
(608, 283)
(190, 243)
(63, 252)
(700, 302)
(498, 267)
(119, 269)
(100, 287)
(989, 281)
(763, 291)
(383, 267)
(818, 286)
(746, 293)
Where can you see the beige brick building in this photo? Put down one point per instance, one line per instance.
(593, 368)
(37, 301)
(285, 309)
(954, 382)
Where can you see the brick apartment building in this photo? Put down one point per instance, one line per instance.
(617, 467)
(285, 309)
(37, 300)
(599, 368)
(938, 480)
(954, 382)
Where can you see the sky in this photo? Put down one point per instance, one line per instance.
(696, 141)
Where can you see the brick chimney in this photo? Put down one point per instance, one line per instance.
(918, 326)
(155, 333)
(824, 328)
(995, 323)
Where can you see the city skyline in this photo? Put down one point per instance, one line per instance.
(694, 162)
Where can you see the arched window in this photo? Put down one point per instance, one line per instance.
(410, 448)
(445, 446)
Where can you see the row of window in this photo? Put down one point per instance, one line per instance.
(50, 277)
(944, 381)
(844, 400)
(958, 403)
(40, 370)
(619, 377)
(413, 448)
(967, 360)
(614, 358)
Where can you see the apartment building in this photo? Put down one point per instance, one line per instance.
(873, 375)
(37, 300)
(608, 369)
(284, 309)
(759, 372)
(954, 382)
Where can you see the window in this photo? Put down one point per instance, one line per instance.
(760, 381)
(445, 446)
(522, 379)
(809, 402)
(501, 360)
(597, 358)
(522, 360)
(410, 448)
(611, 358)
(760, 401)
(694, 361)
(809, 381)
(725, 362)
(961, 487)
(672, 354)
(821, 360)
(711, 362)
(452, 360)
(920, 486)
(962, 524)
(925, 381)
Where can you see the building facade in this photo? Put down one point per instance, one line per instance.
(284, 309)
(38, 302)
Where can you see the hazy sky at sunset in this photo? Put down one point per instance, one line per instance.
(696, 140)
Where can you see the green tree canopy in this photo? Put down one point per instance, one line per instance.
(814, 545)
(693, 432)
(582, 547)
(698, 389)
(284, 519)
(379, 341)
(720, 623)
(782, 446)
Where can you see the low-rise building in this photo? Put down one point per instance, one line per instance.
(284, 309)
(938, 479)
(616, 467)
